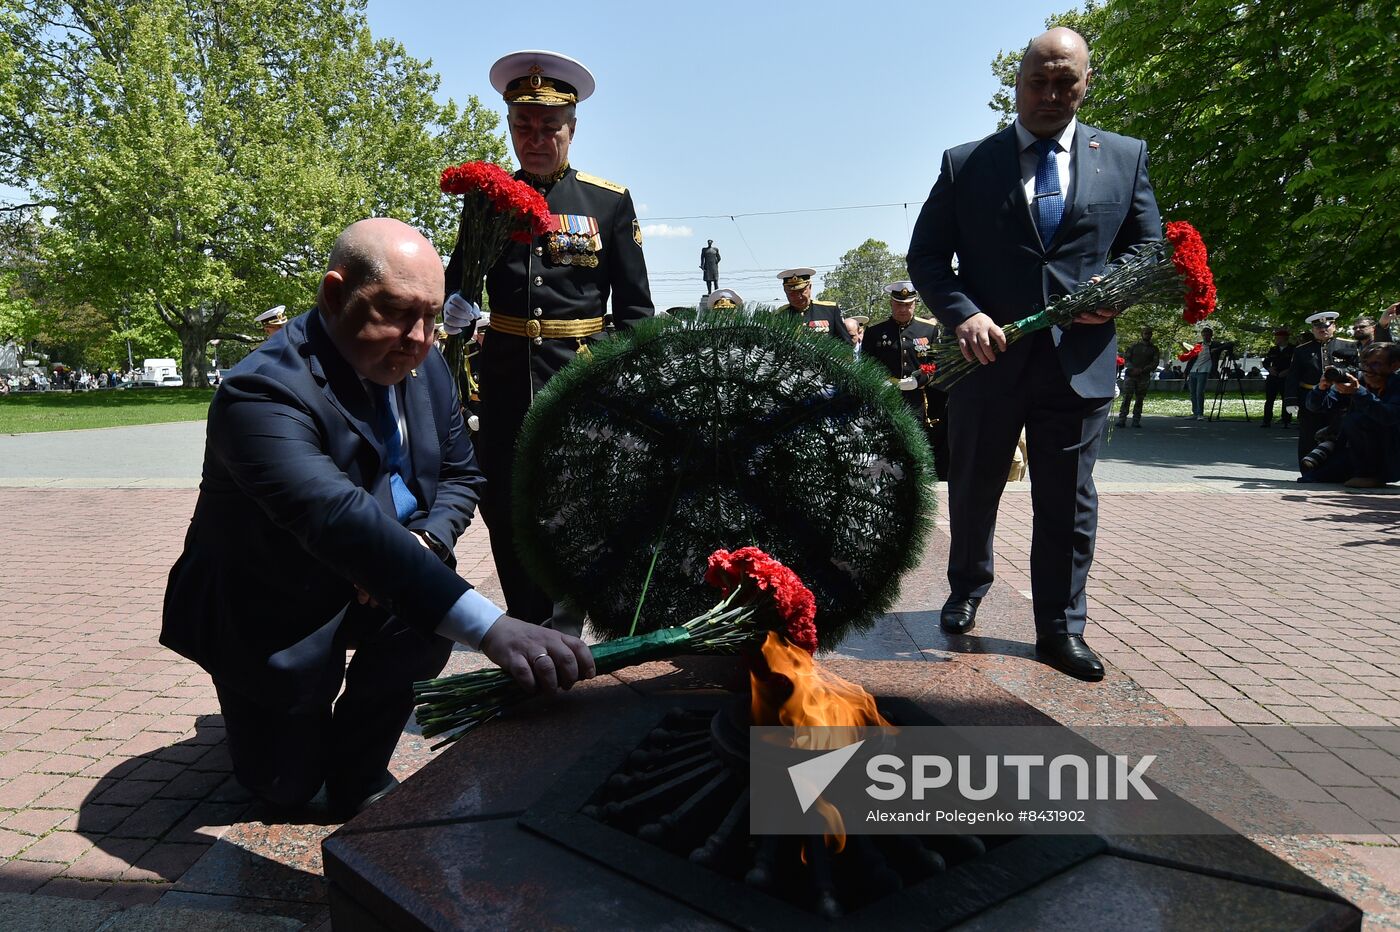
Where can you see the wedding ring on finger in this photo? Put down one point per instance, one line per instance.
(538, 656)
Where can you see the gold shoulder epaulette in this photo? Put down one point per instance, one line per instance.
(925, 320)
(602, 183)
(825, 303)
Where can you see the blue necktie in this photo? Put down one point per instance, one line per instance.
(1049, 197)
(405, 504)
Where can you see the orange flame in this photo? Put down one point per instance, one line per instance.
(828, 712)
(791, 689)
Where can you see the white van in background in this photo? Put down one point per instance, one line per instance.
(155, 372)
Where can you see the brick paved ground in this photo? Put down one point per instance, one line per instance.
(1228, 594)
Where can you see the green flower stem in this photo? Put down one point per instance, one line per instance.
(467, 700)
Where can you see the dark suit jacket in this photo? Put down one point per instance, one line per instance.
(977, 210)
(294, 508)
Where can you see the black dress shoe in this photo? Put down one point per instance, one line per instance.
(349, 808)
(959, 614)
(1069, 654)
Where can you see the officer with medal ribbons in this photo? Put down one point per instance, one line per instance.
(548, 298)
(821, 316)
(904, 344)
(1309, 360)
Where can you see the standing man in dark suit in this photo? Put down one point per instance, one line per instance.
(1030, 212)
(548, 298)
(338, 450)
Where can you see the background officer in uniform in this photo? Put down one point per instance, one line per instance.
(272, 320)
(822, 316)
(1139, 363)
(548, 298)
(723, 299)
(1276, 363)
(1309, 360)
(904, 344)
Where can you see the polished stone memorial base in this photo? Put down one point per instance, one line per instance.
(461, 844)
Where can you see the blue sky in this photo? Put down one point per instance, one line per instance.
(723, 108)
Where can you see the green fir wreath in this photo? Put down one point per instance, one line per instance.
(721, 430)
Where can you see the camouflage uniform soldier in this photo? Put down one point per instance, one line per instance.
(1138, 365)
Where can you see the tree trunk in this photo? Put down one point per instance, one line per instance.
(194, 358)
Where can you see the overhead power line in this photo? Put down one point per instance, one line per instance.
(736, 273)
(774, 213)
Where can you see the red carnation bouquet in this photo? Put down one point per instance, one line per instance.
(1175, 268)
(759, 594)
(496, 209)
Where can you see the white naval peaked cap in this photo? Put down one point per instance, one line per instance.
(541, 78)
(902, 291)
(724, 298)
(1321, 317)
(276, 314)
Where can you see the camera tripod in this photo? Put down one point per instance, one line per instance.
(1227, 358)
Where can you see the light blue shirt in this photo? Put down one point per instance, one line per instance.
(1064, 160)
(471, 616)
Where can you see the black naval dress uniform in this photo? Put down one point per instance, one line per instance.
(1309, 360)
(547, 303)
(822, 317)
(1276, 365)
(902, 351)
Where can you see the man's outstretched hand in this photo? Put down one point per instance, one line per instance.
(539, 659)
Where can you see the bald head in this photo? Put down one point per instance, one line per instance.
(380, 296)
(367, 248)
(1060, 42)
(1051, 81)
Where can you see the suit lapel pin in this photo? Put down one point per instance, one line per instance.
(1093, 144)
(413, 372)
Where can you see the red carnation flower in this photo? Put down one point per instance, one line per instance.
(796, 606)
(928, 368)
(1189, 257)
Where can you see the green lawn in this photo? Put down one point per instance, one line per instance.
(37, 411)
(1178, 404)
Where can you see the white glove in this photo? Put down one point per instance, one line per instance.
(458, 313)
(908, 383)
(473, 423)
(1291, 410)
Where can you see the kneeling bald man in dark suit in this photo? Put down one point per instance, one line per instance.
(1031, 212)
(337, 478)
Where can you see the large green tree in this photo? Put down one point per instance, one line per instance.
(194, 159)
(859, 279)
(1274, 129)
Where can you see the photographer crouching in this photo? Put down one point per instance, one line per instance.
(1363, 451)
